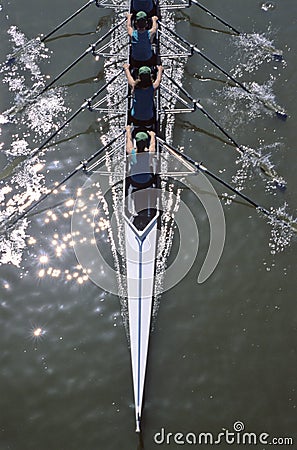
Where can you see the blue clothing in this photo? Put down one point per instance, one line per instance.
(143, 5)
(141, 45)
(140, 171)
(143, 103)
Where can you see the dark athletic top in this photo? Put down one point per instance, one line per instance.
(140, 170)
(141, 45)
(143, 103)
(143, 5)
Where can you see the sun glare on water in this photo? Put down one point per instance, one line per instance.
(37, 332)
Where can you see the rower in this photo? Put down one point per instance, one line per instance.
(143, 89)
(140, 155)
(141, 40)
(141, 176)
(147, 6)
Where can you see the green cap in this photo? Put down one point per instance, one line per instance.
(141, 136)
(144, 70)
(141, 15)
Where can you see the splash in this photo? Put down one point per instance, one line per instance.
(25, 184)
(11, 249)
(248, 106)
(283, 229)
(253, 50)
(21, 72)
(25, 187)
(267, 6)
(47, 113)
(19, 147)
(260, 160)
(27, 53)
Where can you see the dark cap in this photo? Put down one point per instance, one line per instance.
(141, 136)
(141, 15)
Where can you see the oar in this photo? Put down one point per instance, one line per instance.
(76, 13)
(278, 54)
(215, 16)
(11, 221)
(84, 105)
(279, 112)
(199, 166)
(44, 38)
(90, 49)
(279, 182)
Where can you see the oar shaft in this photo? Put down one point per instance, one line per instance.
(199, 106)
(220, 68)
(54, 134)
(42, 198)
(194, 49)
(76, 113)
(76, 61)
(239, 148)
(55, 187)
(207, 58)
(79, 58)
(215, 16)
(76, 13)
(204, 169)
(228, 136)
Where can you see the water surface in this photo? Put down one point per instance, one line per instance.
(220, 352)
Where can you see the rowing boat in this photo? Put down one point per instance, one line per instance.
(142, 219)
(141, 209)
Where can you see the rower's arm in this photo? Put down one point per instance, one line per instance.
(129, 24)
(129, 77)
(154, 28)
(129, 141)
(156, 83)
(152, 147)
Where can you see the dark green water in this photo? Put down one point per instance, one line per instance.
(221, 352)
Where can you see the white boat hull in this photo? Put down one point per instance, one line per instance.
(140, 257)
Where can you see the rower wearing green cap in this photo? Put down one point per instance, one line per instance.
(140, 156)
(141, 39)
(143, 89)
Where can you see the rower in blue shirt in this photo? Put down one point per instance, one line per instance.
(143, 90)
(140, 173)
(141, 40)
